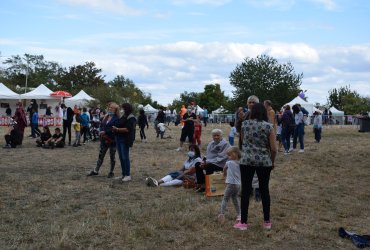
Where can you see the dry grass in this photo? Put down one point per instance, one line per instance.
(47, 202)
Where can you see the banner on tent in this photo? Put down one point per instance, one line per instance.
(43, 121)
(5, 120)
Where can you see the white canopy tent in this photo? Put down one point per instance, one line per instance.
(42, 95)
(298, 100)
(80, 99)
(199, 110)
(149, 109)
(150, 112)
(6, 93)
(7, 98)
(220, 110)
(41, 92)
(337, 116)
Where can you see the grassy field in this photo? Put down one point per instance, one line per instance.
(47, 202)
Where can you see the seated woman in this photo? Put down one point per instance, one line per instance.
(45, 135)
(215, 160)
(187, 171)
(13, 136)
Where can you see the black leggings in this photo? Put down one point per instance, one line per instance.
(263, 174)
(142, 132)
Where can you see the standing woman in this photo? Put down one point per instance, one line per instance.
(317, 126)
(21, 119)
(287, 128)
(259, 152)
(124, 130)
(143, 122)
(107, 140)
(299, 128)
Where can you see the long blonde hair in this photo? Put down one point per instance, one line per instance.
(115, 107)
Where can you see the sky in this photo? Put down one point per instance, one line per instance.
(167, 47)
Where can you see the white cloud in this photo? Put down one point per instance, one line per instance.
(276, 4)
(205, 2)
(117, 6)
(327, 4)
(167, 70)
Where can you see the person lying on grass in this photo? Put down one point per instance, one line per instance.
(185, 173)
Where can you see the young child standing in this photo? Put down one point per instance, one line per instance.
(77, 129)
(232, 180)
(197, 131)
(232, 133)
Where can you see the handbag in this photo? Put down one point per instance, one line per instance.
(108, 141)
(215, 184)
(188, 182)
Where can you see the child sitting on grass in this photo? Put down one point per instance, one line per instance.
(56, 140)
(232, 180)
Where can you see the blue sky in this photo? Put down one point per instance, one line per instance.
(170, 46)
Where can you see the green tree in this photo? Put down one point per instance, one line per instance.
(213, 97)
(266, 78)
(34, 67)
(337, 96)
(185, 99)
(348, 100)
(124, 90)
(81, 76)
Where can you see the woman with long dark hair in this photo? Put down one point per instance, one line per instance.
(107, 140)
(259, 152)
(124, 130)
(299, 128)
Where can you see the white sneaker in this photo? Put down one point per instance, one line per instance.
(151, 182)
(118, 177)
(292, 150)
(126, 178)
(301, 151)
(178, 149)
(286, 152)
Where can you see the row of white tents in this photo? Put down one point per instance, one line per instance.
(42, 95)
(337, 115)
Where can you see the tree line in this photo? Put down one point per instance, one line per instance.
(262, 76)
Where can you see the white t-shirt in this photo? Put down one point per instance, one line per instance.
(233, 172)
(232, 132)
(161, 127)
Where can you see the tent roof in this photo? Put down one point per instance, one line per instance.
(82, 95)
(41, 92)
(336, 111)
(219, 110)
(298, 100)
(149, 108)
(6, 93)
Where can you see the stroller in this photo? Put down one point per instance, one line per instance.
(94, 128)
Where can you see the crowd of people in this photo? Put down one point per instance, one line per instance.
(246, 167)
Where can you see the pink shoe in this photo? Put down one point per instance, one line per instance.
(267, 224)
(241, 226)
(238, 219)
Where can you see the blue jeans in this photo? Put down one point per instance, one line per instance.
(285, 138)
(298, 133)
(33, 129)
(124, 154)
(231, 140)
